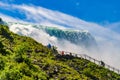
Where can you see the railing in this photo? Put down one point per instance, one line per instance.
(84, 56)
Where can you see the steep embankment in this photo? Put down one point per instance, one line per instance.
(23, 58)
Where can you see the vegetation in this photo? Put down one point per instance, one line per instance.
(22, 58)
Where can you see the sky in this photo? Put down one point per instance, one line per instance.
(102, 12)
(99, 11)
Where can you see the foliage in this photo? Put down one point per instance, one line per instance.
(23, 58)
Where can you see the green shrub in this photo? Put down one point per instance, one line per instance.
(12, 74)
(2, 64)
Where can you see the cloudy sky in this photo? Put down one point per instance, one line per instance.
(99, 11)
(91, 15)
(103, 12)
(85, 14)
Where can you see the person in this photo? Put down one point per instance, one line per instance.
(70, 54)
(54, 48)
(49, 46)
(62, 52)
(102, 63)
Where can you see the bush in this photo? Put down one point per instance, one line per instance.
(18, 58)
(2, 64)
(12, 74)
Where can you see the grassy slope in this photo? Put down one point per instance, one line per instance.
(23, 58)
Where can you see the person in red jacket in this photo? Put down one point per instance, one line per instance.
(62, 52)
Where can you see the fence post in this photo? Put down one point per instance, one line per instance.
(118, 71)
(113, 69)
(85, 56)
(75, 55)
(94, 60)
(90, 58)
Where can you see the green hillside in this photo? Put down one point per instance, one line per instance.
(22, 58)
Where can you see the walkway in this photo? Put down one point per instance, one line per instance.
(84, 56)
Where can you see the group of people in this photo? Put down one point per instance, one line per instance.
(62, 53)
(54, 48)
